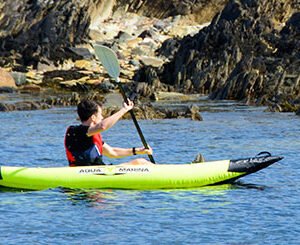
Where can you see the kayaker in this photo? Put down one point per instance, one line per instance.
(83, 143)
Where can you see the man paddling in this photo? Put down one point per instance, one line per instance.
(83, 143)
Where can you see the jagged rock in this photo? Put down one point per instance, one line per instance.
(169, 48)
(123, 36)
(249, 52)
(82, 53)
(36, 29)
(31, 30)
(244, 54)
(199, 9)
(147, 33)
(149, 61)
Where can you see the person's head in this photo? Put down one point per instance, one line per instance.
(87, 108)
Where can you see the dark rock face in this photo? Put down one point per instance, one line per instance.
(164, 9)
(244, 54)
(45, 31)
(41, 30)
(250, 52)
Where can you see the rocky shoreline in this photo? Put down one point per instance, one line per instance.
(238, 50)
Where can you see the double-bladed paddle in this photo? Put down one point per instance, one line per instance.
(110, 62)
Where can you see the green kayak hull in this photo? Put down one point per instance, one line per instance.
(156, 176)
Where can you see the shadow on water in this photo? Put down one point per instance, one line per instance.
(93, 194)
(9, 189)
(241, 185)
(95, 197)
(87, 197)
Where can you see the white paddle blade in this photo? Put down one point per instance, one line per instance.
(109, 60)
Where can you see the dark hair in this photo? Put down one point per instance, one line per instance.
(87, 108)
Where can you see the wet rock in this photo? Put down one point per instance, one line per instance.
(23, 105)
(6, 89)
(195, 114)
(72, 99)
(26, 105)
(4, 107)
(30, 88)
(148, 111)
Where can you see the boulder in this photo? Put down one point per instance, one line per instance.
(6, 79)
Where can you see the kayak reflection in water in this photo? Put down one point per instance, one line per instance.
(83, 143)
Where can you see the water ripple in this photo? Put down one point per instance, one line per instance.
(262, 208)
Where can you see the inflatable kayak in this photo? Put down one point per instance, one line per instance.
(156, 176)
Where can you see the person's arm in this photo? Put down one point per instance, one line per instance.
(111, 120)
(116, 152)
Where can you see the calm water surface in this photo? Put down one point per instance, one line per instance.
(262, 208)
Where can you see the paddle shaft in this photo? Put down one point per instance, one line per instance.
(110, 62)
(135, 121)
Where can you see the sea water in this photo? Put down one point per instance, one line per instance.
(262, 208)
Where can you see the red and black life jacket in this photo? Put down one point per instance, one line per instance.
(82, 150)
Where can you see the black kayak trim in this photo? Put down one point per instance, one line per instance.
(253, 164)
(0, 173)
(250, 165)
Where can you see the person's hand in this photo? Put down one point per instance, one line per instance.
(129, 105)
(143, 150)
